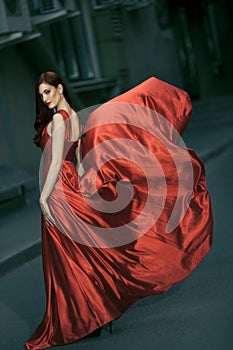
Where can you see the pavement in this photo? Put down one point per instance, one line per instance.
(196, 314)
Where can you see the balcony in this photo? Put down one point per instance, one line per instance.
(127, 4)
(19, 19)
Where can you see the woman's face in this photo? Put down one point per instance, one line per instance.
(50, 94)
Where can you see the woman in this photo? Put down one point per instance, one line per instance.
(99, 259)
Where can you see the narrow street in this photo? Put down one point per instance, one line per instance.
(195, 315)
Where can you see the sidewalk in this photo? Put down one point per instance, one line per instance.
(209, 134)
(20, 233)
(210, 129)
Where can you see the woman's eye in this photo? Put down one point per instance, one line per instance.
(47, 92)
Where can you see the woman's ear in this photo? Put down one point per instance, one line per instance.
(60, 88)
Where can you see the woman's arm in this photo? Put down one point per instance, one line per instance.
(58, 138)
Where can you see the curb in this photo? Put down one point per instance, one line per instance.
(218, 151)
(25, 255)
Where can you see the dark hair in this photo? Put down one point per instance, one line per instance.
(43, 113)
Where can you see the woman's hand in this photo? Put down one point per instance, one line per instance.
(46, 212)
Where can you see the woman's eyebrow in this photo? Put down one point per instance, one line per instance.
(43, 91)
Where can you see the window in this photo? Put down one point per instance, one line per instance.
(72, 50)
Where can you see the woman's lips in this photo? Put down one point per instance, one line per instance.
(48, 103)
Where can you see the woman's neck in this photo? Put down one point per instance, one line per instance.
(63, 104)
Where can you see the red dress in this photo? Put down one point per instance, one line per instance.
(92, 274)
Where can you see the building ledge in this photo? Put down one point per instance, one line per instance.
(17, 37)
(49, 17)
(92, 84)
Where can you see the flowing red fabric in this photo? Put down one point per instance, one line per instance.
(132, 154)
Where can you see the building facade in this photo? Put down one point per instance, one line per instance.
(102, 48)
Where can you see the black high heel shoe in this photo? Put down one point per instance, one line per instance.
(108, 327)
(97, 332)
